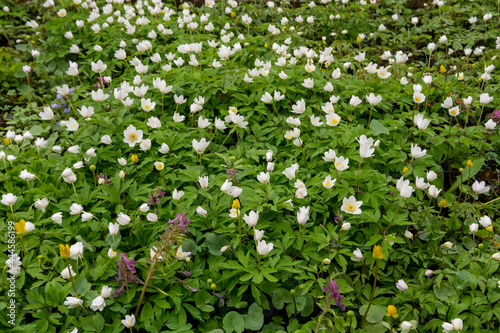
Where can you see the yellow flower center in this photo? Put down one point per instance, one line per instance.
(453, 112)
(133, 137)
(148, 107)
(417, 99)
(350, 208)
(382, 74)
(334, 121)
(327, 184)
(160, 166)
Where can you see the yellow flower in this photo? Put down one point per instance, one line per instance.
(469, 163)
(233, 14)
(235, 204)
(20, 227)
(405, 170)
(265, 45)
(7, 141)
(64, 249)
(490, 228)
(377, 252)
(442, 69)
(392, 311)
(358, 39)
(134, 159)
(442, 203)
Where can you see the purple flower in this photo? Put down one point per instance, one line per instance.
(221, 299)
(126, 272)
(231, 173)
(334, 294)
(150, 199)
(66, 110)
(495, 116)
(58, 96)
(186, 273)
(160, 192)
(180, 221)
(55, 106)
(105, 176)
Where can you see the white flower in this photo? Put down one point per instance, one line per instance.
(41, 204)
(351, 206)
(151, 217)
(358, 255)
(201, 211)
(252, 218)
(355, 100)
(401, 285)
(200, 146)
(106, 291)
(111, 253)
(86, 216)
(132, 135)
(75, 209)
(433, 191)
(129, 321)
(328, 182)
(431, 175)
(46, 114)
(98, 303)
(346, 226)
(113, 228)
(123, 219)
(330, 156)
(267, 98)
(420, 121)
(263, 177)
(65, 274)
(263, 248)
(303, 215)
(57, 218)
(473, 227)
(374, 100)
(420, 183)
(485, 221)
(76, 251)
(485, 98)
(176, 195)
(180, 255)
(490, 124)
(73, 302)
(417, 152)
(480, 188)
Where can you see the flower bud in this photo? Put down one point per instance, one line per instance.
(213, 286)
(469, 163)
(134, 159)
(292, 292)
(92, 167)
(429, 272)
(121, 174)
(326, 261)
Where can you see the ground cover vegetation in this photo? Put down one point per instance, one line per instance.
(249, 166)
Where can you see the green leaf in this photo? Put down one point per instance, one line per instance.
(255, 318)
(375, 314)
(378, 128)
(98, 321)
(215, 243)
(233, 322)
(280, 297)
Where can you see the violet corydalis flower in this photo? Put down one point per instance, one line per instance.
(231, 173)
(334, 294)
(495, 116)
(126, 272)
(180, 221)
(104, 176)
